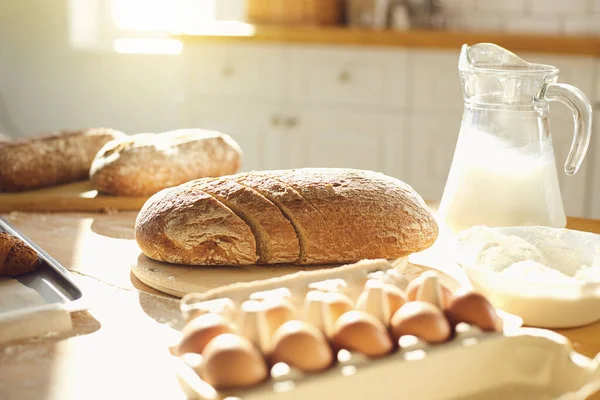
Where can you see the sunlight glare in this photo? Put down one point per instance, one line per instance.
(147, 46)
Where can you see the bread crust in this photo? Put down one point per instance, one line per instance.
(143, 164)
(16, 257)
(339, 216)
(185, 225)
(367, 214)
(50, 158)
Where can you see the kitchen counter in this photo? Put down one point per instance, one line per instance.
(118, 348)
(244, 33)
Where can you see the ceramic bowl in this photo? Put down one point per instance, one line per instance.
(545, 304)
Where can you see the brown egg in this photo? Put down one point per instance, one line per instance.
(414, 289)
(232, 362)
(421, 319)
(199, 331)
(474, 309)
(361, 332)
(302, 346)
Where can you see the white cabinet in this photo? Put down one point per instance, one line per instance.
(312, 137)
(432, 141)
(248, 124)
(347, 77)
(236, 72)
(434, 80)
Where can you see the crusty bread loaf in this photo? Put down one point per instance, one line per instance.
(16, 257)
(50, 159)
(338, 215)
(146, 163)
(184, 223)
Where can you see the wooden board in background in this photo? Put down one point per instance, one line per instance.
(78, 196)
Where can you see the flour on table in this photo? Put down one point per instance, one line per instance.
(14, 296)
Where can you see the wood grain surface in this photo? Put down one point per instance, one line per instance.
(78, 196)
(442, 39)
(118, 348)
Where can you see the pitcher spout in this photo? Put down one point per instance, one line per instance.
(492, 75)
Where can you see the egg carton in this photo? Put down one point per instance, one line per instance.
(363, 330)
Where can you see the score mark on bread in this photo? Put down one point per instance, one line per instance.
(338, 216)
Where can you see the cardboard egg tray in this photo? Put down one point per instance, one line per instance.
(508, 362)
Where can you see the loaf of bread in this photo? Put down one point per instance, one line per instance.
(16, 257)
(50, 159)
(303, 216)
(146, 163)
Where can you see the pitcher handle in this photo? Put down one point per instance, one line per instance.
(581, 108)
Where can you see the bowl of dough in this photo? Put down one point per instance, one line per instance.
(550, 277)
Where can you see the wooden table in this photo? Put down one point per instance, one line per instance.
(118, 348)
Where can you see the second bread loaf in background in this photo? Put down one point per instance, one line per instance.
(143, 164)
(50, 159)
(307, 216)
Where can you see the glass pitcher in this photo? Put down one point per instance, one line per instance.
(503, 172)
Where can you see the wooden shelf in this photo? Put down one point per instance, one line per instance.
(575, 45)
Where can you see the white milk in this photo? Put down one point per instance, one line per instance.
(492, 184)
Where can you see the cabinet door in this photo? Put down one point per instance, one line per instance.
(326, 138)
(247, 124)
(249, 72)
(434, 81)
(431, 149)
(348, 76)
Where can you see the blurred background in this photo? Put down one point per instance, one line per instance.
(358, 83)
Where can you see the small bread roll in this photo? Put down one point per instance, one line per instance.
(16, 257)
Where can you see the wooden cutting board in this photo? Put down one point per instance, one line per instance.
(78, 196)
(178, 280)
